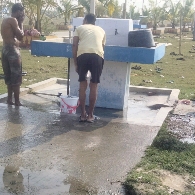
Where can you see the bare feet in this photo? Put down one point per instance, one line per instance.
(10, 103)
(18, 104)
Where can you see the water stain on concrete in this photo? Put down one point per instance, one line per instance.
(44, 144)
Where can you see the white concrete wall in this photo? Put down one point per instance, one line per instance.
(110, 25)
(113, 90)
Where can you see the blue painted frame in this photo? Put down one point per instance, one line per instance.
(112, 53)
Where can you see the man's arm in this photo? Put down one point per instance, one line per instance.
(17, 29)
(74, 51)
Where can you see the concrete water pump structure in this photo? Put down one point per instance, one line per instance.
(113, 90)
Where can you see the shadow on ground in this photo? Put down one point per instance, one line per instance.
(54, 124)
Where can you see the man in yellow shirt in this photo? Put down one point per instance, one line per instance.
(88, 54)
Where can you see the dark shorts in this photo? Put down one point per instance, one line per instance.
(93, 63)
(12, 65)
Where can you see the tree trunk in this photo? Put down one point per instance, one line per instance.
(194, 29)
(124, 9)
(154, 26)
(39, 15)
(173, 25)
(180, 34)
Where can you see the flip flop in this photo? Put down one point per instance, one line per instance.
(82, 120)
(92, 120)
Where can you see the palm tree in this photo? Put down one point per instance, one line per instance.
(146, 20)
(162, 18)
(85, 4)
(133, 14)
(67, 9)
(173, 12)
(156, 13)
(117, 10)
(100, 10)
(36, 9)
(187, 12)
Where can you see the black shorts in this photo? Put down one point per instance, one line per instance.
(93, 63)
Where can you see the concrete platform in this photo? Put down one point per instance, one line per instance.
(53, 153)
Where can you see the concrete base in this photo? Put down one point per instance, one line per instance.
(55, 154)
(113, 90)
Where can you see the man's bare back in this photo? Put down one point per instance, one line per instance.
(11, 32)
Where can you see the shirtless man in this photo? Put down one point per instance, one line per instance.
(12, 32)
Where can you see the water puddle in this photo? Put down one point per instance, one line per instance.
(16, 180)
(56, 112)
(23, 181)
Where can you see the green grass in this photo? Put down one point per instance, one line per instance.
(165, 153)
(173, 69)
(38, 69)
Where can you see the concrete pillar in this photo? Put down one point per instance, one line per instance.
(113, 90)
(92, 7)
(125, 9)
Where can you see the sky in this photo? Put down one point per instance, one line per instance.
(140, 3)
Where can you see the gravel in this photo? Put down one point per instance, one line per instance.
(183, 127)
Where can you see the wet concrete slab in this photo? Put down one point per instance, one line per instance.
(52, 153)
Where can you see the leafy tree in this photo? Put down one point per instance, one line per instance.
(117, 11)
(35, 10)
(100, 10)
(156, 13)
(162, 18)
(103, 7)
(187, 12)
(110, 8)
(133, 14)
(67, 9)
(173, 12)
(5, 7)
(146, 12)
(85, 4)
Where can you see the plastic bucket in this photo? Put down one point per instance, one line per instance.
(69, 104)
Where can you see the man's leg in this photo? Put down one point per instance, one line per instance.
(82, 98)
(16, 90)
(10, 93)
(92, 99)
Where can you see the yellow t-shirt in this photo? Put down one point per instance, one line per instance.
(91, 39)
